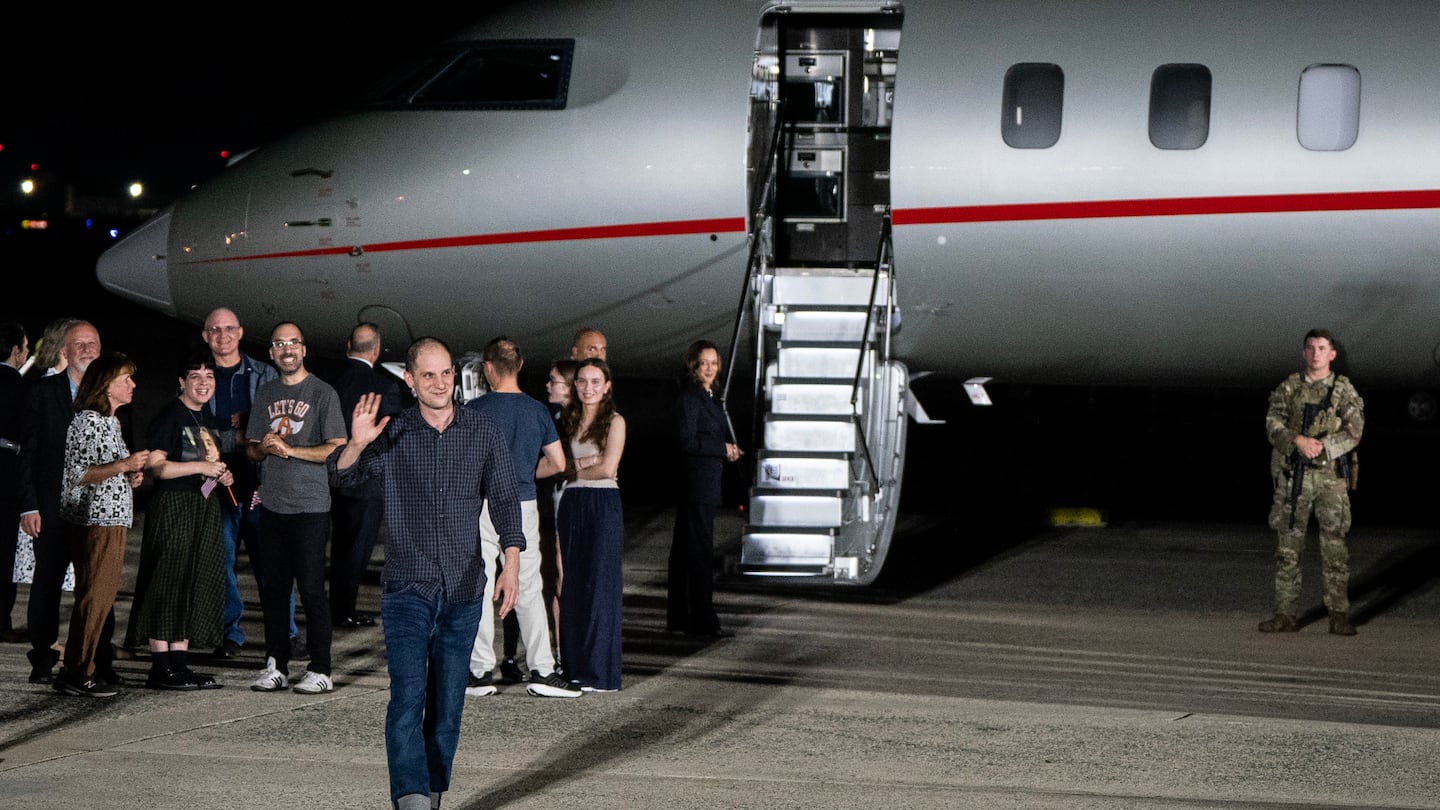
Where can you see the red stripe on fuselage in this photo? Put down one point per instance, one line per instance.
(1170, 207)
(958, 214)
(679, 228)
(634, 230)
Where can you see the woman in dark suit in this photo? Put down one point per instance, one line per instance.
(700, 432)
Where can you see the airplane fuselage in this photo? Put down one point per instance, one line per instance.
(1099, 259)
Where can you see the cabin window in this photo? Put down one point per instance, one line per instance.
(1329, 108)
(1032, 101)
(501, 74)
(1180, 106)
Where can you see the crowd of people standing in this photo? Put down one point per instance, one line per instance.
(269, 456)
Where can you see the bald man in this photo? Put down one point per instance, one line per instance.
(357, 512)
(589, 342)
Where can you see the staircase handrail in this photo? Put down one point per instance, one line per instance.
(768, 180)
(883, 248)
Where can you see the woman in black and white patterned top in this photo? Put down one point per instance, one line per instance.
(97, 504)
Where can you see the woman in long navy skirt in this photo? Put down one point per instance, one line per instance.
(592, 533)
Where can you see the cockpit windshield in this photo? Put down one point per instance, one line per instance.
(496, 74)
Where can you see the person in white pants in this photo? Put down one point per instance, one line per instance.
(536, 450)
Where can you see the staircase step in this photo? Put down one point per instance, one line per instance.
(826, 286)
(819, 359)
(769, 507)
(786, 547)
(803, 324)
(781, 470)
(825, 434)
(812, 395)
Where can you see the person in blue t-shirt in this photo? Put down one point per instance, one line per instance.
(536, 452)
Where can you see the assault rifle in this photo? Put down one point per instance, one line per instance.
(1298, 463)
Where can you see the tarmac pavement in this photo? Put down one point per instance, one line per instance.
(1101, 667)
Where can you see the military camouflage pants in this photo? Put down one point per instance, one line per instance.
(1327, 496)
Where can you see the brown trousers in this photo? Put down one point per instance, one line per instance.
(99, 556)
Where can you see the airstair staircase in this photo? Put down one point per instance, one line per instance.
(818, 309)
(832, 427)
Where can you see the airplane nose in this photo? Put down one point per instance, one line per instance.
(135, 268)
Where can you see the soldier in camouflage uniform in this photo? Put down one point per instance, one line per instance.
(1335, 429)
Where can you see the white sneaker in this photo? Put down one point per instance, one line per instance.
(271, 679)
(313, 683)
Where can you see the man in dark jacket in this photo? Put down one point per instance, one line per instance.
(356, 512)
(14, 348)
(49, 409)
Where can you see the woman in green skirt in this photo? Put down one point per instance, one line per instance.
(180, 587)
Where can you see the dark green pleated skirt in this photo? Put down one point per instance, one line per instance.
(180, 589)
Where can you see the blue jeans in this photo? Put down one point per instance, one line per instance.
(236, 521)
(427, 643)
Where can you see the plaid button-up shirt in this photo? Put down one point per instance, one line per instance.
(435, 484)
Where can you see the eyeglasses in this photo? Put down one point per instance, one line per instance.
(280, 344)
(225, 330)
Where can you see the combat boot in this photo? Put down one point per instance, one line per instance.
(1340, 623)
(1282, 623)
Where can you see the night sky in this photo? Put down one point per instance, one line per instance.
(102, 98)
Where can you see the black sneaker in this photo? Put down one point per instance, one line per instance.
(552, 685)
(482, 686)
(68, 684)
(298, 650)
(510, 672)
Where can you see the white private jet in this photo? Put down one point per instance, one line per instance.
(1108, 192)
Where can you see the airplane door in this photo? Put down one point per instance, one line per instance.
(310, 214)
(316, 212)
(827, 82)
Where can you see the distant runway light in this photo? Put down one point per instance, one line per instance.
(27, 186)
(136, 189)
(114, 233)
